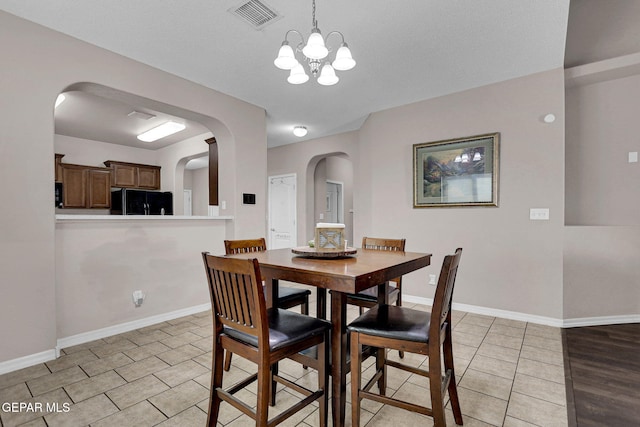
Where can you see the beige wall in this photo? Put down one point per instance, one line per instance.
(37, 65)
(302, 158)
(602, 128)
(601, 272)
(94, 153)
(100, 263)
(602, 237)
(200, 195)
(509, 262)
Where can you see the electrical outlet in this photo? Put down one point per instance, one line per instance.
(138, 298)
(432, 279)
(539, 214)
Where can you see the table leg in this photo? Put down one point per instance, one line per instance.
(271, 290)
(321, 303)
(383, 298)
(271, 296)
(338, 356)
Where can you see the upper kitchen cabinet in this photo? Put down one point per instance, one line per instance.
(86, 186)
(134, 175)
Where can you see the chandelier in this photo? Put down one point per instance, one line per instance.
(314, 53)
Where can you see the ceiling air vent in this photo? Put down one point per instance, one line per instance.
(255, 13)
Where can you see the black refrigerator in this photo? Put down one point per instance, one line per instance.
(127, 201)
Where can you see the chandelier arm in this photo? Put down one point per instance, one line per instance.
(335, 32)
(286, 36)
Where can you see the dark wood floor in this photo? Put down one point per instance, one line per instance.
(602, 365)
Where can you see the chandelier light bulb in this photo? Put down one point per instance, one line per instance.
(297, 75)
(465, 158)
(344, 61)
(315, 48)
(327, 75)
(286, 59)
(300, 131)
(477, 156)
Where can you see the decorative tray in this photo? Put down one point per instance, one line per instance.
(315, 253)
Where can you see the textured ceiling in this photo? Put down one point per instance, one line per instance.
(600, 30)
(406, 51)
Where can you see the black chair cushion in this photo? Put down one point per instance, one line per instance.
(285, 328)
(371, 294)
(390, 321)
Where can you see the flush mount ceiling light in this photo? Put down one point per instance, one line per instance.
(300, 131)
(165, 129)
(314, 52)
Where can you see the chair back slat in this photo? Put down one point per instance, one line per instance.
(379, 244)
(237, 296)
(244, 246)
(442, 300)
(391, 245)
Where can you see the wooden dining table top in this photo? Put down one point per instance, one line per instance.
(348, 274)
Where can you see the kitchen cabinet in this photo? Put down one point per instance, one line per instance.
(58, 167)
(74, 180)
(99, 188)
(86, 186)
(134, 175)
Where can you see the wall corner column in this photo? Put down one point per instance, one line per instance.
(213, 171)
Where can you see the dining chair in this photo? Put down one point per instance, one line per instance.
(369, 297)
(414, 331)
(287, 297)
(242, 324)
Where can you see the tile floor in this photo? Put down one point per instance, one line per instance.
(509, 373)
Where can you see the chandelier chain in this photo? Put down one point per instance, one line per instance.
(314, 23)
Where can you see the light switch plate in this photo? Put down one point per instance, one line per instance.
(633, 157)
(539, 214)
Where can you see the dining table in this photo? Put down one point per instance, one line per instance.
(340, 275)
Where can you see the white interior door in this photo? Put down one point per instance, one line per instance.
(334, 210)
(188, 205)
(282, 211)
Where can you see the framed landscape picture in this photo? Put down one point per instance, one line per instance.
(456, 172)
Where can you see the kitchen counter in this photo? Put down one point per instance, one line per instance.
(105, 218)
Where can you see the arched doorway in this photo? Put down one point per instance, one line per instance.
(96, 123)
(332, 196)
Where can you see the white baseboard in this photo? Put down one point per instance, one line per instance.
(126, 327)
(604, 320)
(26, 361)
(45, 356)
(494, 312)
(549, 321)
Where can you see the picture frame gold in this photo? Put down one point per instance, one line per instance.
(460, 172)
